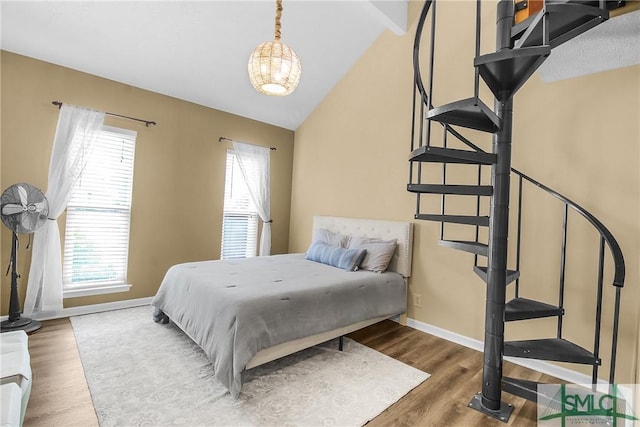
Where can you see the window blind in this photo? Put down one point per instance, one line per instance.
(240, 218)
(96, 243)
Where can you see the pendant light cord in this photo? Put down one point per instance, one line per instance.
(278, 16)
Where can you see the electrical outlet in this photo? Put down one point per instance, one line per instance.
(417, 300)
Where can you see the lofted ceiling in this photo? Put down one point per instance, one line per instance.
(198, 50)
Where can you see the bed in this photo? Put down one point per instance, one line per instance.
(247, 312)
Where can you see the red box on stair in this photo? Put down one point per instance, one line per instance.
(527, 8)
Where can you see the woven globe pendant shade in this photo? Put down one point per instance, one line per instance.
(274, 68)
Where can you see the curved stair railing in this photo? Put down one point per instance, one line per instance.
(521, 50)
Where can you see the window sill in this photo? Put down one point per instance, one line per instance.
(98, 290)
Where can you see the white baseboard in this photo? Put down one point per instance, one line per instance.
(537, 365)
(565, 374)
(89, 309)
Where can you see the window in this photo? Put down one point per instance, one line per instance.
(240, 217)
(96, 243)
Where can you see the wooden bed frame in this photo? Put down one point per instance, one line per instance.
(400, 263)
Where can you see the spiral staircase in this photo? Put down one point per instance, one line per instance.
(521, 49)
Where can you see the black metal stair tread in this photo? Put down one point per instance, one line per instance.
(523, 308)
(482, 221)
(449, 155)
(529, 390)
(512, 275)
(472, 247)
(556, 349)
(609, 4)
(565, 21)
(461, 190)
(519, 387)
(470, 113)
(506, 71)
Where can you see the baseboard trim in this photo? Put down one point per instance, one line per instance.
(89, 309)
(537, 365)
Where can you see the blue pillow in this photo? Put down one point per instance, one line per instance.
(346, 259)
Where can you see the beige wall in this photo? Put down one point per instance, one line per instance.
(179, 166)
(579, 136)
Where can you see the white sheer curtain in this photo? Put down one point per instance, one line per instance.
(254, 163)
(76, 133)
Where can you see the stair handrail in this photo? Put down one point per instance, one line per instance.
(416, 52)
(612, 243)
(614, 247)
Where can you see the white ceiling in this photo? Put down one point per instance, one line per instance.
(198, 50)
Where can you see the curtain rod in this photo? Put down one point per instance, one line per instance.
(224, 139)
(146, 122)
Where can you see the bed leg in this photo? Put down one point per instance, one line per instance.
(341, 342)
(159, 316)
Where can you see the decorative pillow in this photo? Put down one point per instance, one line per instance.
(330, 238)
(346, 259)
(379, 252)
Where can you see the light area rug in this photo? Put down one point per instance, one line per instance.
(143, 373)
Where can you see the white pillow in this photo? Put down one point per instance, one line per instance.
(379, 252)
(330, 238)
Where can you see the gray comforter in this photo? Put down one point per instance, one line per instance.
(235, 308)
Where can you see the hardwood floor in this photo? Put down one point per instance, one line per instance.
(59, 393)
(456, 375)
(60, 396)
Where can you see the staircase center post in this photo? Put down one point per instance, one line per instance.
(498, 230)
(497, 264)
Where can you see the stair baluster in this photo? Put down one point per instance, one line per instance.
(443, 196)
(596, 344)
(477, 235)
(563, 266)
(519, 235)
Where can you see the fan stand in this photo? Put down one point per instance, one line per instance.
(15, 321)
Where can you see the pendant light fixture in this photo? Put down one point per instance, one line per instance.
(274, 68)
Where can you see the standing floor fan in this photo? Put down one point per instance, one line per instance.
(23, 209)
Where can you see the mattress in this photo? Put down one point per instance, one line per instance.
(235, 308)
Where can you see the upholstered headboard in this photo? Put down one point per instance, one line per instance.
(387, 230)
